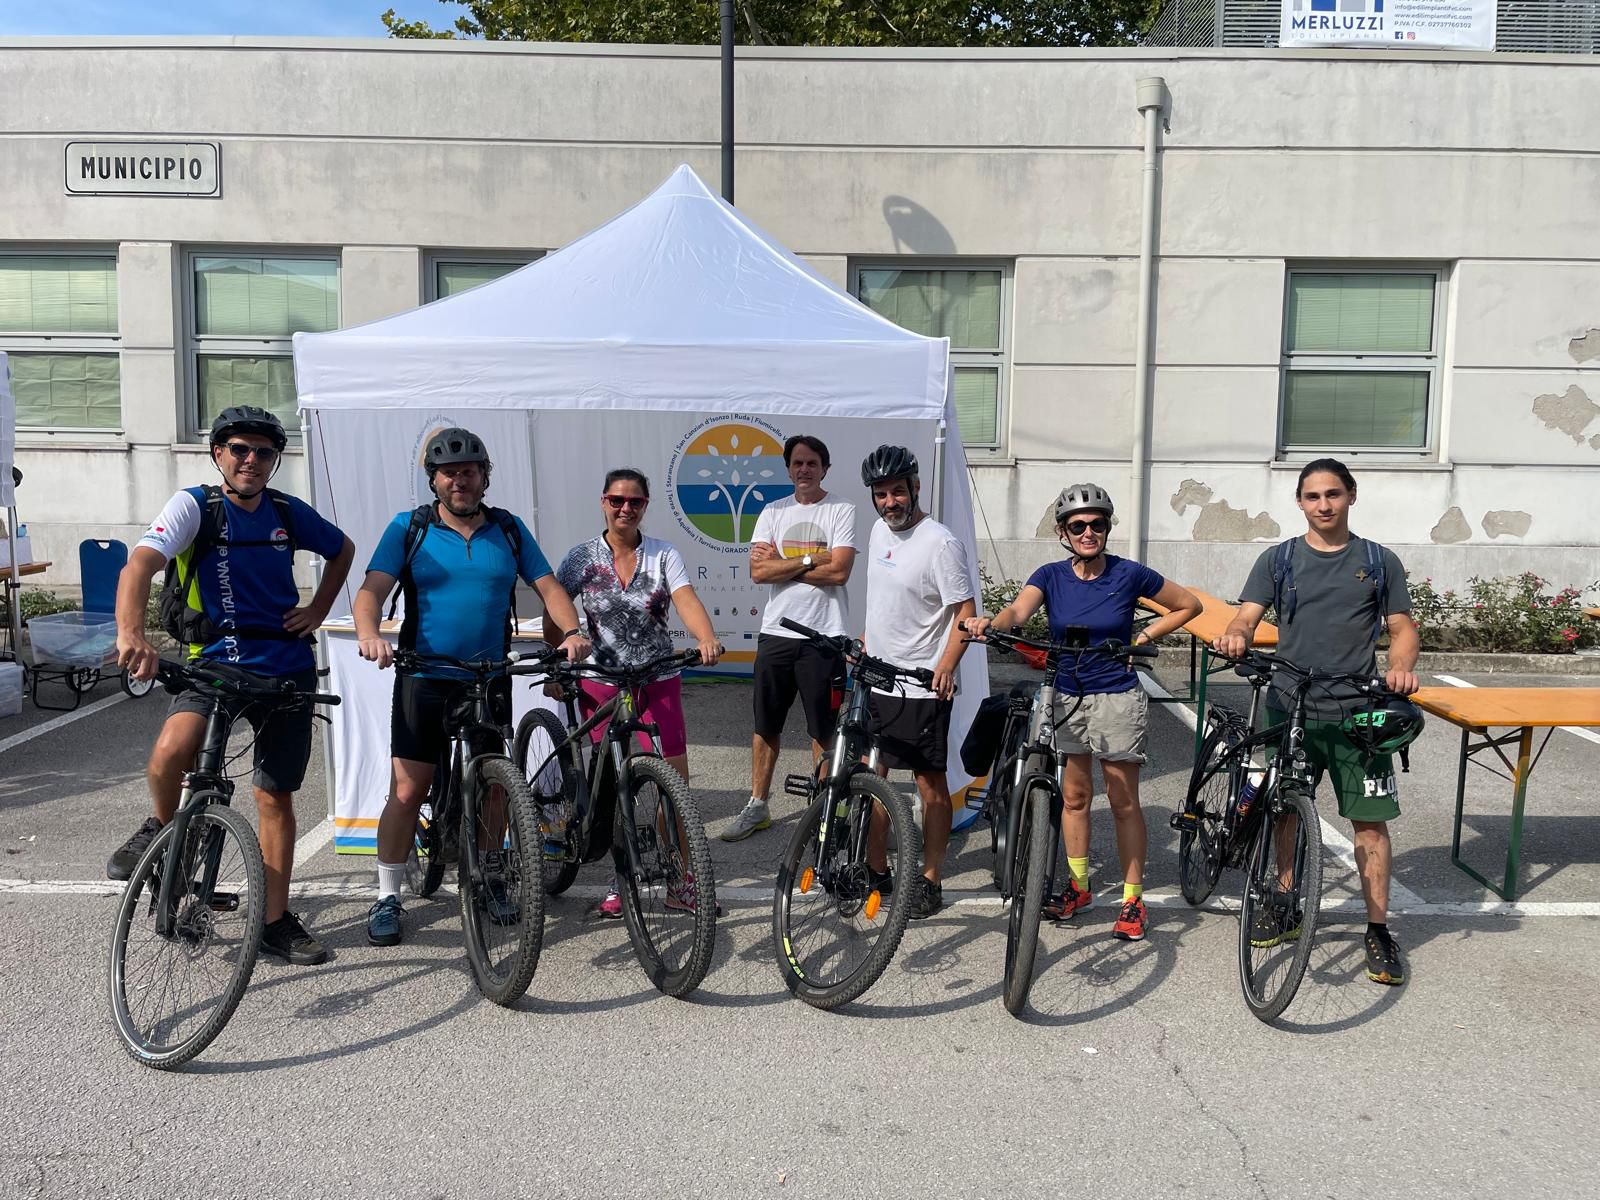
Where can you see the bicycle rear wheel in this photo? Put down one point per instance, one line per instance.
(1029, 871)
(1211, 786)
(502, 881)
(549, 763)
(835, 939)
(172, 993)
(1276, 925)
(670, 904)
(1010, 744)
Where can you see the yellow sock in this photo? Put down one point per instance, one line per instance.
(1132, 891)
(1080, 871)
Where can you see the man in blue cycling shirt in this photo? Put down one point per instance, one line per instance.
(457, 582)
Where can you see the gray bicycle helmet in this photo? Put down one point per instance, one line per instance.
(1083, 497)
(247, 418)
(888, 462)
(453, 446)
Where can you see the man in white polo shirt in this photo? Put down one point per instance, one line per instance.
(803, 548)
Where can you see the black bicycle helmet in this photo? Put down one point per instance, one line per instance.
(1385, 727)
(453, 446)
(1083, 497)
(888, 462)
(247, 418)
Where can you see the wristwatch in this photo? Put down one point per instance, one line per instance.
(807, 563)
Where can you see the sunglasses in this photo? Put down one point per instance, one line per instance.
(241, 451)
(620, 502)
(1099, 525)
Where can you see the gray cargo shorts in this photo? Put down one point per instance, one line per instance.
(1109, 725)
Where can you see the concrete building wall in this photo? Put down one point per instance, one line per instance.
(1482, 167)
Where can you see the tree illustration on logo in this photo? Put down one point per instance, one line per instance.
(737, 479)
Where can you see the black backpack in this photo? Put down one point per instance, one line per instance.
(423, 516)
(1285, 600)
(182, 615)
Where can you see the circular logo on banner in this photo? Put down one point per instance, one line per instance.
(436, 423)
(723, 473)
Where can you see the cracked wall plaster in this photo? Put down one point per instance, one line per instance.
(1509, 522)
(1586, 347)
(1221, 522)
(1190, 491)
(1452, 528)
(1570, 413)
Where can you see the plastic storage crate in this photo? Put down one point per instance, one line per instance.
(73, 639)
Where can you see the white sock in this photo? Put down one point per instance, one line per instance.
(391, 879)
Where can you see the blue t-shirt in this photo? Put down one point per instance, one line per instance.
(462, 587)
(1105, 604)
(245, 587)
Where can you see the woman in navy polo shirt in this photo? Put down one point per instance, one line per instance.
(1099, 591)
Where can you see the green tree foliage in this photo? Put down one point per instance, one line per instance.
(796, 22)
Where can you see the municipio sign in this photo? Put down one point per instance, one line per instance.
(144, 169)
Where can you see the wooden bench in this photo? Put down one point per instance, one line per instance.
(1215, 617)
(1480, 711)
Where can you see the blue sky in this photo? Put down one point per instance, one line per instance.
(301, 18)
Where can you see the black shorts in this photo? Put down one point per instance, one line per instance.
(283, 736)
(418, 718)
(912, 732)
(788, 666)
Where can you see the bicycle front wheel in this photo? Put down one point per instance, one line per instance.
(1028, 872)
(835, 929)
(1278, 923)
(549, 763)
(669, 901)
(502, 881)
(1211, 785)
(172, 992)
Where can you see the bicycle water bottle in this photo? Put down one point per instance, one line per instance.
(1255, 773)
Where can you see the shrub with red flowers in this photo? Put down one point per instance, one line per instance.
(1509, 613)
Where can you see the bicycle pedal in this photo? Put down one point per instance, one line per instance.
(1184, 822)
(977, 799)
(799, 785)
(224, 902)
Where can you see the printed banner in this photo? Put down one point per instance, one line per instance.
(1404, 24)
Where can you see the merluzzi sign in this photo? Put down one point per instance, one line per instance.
(144, 169)
(1403, 24)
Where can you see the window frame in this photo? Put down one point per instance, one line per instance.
(105, 345)
(999, 359)
(196, 345)
(1429, 363)
(434, 259)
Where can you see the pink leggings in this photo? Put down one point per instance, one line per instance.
(660, 702)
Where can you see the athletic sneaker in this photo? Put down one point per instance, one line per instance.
(1383, 959)
(1131, 921)
(752, 817)
(611, 906)
(685, 896)
(1066, 905)
(291, 941)
(927, 898)
(881, 882)
(122, 861)
(1275, 922)
(383, 921)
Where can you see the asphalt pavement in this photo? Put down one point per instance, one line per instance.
(1137, 1070)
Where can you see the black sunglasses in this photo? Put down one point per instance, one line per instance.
(243, 450)
(619, 502)
(1099, 525)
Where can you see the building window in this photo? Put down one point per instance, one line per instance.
(452, 274)
(58, 327)
(967, 304)
(1361, 362)
(244, 309)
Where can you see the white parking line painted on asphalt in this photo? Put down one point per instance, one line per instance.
(1402, 898)
(27, 735)
(313, 841)
(1587, 735)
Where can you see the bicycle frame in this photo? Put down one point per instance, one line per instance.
(602, 783)
(208, 778)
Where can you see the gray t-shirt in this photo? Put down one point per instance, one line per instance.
(1334, 616)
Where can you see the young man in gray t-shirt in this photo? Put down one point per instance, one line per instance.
(1337, 608)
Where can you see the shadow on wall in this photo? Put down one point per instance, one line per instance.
(915, 229)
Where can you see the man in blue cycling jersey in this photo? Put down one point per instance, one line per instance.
(457, 562)
(235, 551)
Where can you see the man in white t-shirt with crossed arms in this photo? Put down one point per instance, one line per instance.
(803, 548)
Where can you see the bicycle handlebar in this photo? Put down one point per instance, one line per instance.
(554, 662)
(1254, 665)
(855, 652)
(177, 677)
(1110, 647)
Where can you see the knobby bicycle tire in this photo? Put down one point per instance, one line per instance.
(1211, 784)
(1016, 729)
(134, 987)
(1028, 872)
(502, 967)
(540, 726)
(672, 942)
(803, 972)
(1269, 979)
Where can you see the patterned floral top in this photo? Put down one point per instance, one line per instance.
(628, 625)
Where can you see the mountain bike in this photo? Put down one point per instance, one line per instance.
(837, 920)
(1022, 803)
(481, 795)
(1260, 818)
(188, 926)
(620, 799)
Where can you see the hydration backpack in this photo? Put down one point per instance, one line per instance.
(182, 615)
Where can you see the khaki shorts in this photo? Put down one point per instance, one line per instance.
(1109, 725)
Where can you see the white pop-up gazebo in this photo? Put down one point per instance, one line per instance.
(676, 338)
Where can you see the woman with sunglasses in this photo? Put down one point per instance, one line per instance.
(1098, 591)
(625, 581)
